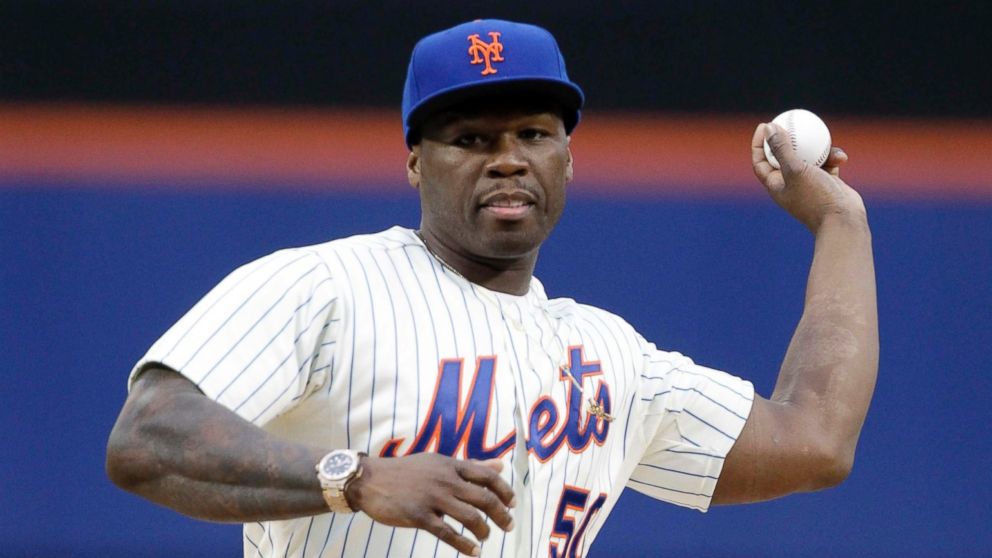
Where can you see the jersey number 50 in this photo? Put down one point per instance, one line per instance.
(566, 539)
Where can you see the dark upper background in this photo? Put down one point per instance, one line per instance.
(886, 58)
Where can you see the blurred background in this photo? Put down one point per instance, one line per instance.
(148, 148)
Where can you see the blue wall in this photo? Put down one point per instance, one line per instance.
(93, 277)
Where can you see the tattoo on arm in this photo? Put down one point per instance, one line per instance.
(175, 447)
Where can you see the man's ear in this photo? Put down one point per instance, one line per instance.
(413, 167)
(568, 169)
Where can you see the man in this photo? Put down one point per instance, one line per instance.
(447, 404)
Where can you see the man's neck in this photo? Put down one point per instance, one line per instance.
(506, 275)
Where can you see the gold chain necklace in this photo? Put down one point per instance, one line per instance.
(438, 256)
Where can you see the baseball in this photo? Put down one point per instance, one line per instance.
(809, 135)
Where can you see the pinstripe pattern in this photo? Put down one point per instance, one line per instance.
(341, 345)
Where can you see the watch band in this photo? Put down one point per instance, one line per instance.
(334, 485)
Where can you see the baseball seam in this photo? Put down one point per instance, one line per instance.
(823, 156)
(791, 126)
(793, 137)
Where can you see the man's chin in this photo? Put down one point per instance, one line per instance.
(513, 244)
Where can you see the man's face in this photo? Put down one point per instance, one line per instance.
(492, 180)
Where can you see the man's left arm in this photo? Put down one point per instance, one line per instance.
(803, 437)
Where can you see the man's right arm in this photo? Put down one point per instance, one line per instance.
(804, 436)
(176, 447)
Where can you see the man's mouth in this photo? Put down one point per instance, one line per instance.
(508, 206)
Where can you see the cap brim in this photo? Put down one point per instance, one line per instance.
(568, 96)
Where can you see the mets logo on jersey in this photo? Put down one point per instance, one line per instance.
(486, 53)
(457, 427)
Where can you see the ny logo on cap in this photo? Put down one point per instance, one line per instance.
(490, 52)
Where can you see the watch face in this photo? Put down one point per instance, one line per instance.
(338, 465)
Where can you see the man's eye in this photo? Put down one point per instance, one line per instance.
(468, 140)
(533, 133)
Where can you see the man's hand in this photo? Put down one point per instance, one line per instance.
(808, 193)
(420, 490)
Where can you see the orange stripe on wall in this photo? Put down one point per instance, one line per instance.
(711, 155)
(359, 150)
(192, 146)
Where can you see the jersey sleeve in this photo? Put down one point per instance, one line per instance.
(254, 342)
(693, 416)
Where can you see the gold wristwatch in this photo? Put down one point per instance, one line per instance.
(336, 471)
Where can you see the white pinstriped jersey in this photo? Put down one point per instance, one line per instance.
(370, 343)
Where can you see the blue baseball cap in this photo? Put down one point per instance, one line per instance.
(485, 56)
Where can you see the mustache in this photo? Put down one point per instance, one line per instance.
(511, 187)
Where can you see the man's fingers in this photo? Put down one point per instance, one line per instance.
(494, 464)
(486, 490)
(758, 159)
(766, 173)
(468, 516)
(486, 474)
(436, 525)
(487, 502)
(836, 159)
(781, 146)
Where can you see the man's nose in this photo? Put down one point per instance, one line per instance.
(507, 159)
